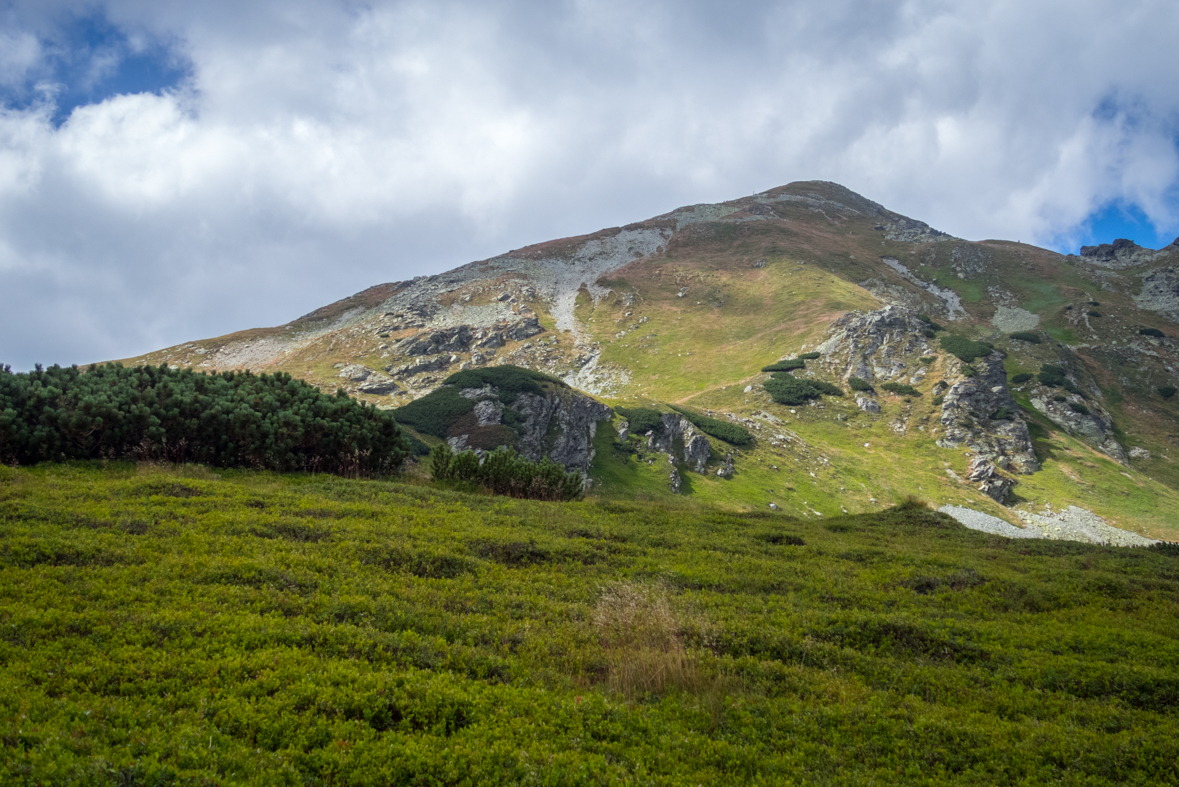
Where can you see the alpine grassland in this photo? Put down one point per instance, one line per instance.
(175, 624)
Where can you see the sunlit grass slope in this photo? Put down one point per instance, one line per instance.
(173, 626)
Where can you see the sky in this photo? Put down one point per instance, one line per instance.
(173, 170)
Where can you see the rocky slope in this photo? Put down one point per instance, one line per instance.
(687, 308)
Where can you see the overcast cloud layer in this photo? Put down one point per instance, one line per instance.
(171, 171)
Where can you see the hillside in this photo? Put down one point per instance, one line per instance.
(687, 308)
(171, 625)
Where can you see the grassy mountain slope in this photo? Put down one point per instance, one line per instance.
(688, 307)
(174, 626)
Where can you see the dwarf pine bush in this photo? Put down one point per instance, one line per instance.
(226, 419)
(504, 472)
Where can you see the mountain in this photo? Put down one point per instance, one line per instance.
(1031, 387)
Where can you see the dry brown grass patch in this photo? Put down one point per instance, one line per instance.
(643, 637)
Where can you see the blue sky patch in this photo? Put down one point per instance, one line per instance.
(87, 60)
(1119, 220)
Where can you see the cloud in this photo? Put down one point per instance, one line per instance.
(306, 150)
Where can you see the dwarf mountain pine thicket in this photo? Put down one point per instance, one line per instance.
(504, 472)
(713, 427)
(434, 413)
(965, 349)
(784, 388)
(641, 420)
(227, 419)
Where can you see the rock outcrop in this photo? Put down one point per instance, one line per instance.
(1083, 417)
(559, 424)
(1160, 293)
(876, 346)
(682, 442)
(979, 413)
(1122, 253)
(990, 482)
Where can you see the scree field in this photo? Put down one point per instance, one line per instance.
(175, 625)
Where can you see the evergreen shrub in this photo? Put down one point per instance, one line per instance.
(721, 430)
(1026, 336)
(1022, 377)
(859, 384)
(642, 419)
(965, 349)
(226, 419)
(436, 411)
(900, 389)
(1155, 332)
(786, 389)
(1077, 407)
(785, 366)
(504, 472)
(933, 326)
(809, 356)
(1052, 375)
(1167, 391)
(927, 359)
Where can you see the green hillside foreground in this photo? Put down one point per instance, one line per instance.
(174, 625)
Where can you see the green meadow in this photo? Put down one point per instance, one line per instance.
(166, 625)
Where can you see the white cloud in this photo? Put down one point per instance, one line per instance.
(319, 148)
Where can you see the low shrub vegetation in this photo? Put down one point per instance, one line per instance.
(901, 389)
(933, 326)
(785, 366)
(1155, 332)
(966, 350)
(1167, 391)
(714, 427)
(859, 384)
(504, 472)
(434, 413)
(810, 356)
(227, 419)
(642, 419)
(1026, 336)
(786, 389)
(1022, 378)
(179, 625)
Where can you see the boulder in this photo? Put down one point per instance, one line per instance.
(995, 486)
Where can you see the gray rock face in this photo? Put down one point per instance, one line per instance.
(1160, 293)
(1122, 253)
(446, 340)
(560, 425)
(678, 432)
(967, 420)
(909, 230)
(674, 481)
(727, 469)
(422, 366)
(1139, 453)
(379, 387)
(995, 486)
(488, 411)
(1096, 426)
(524, 329)
(371, 382)
(877, 346)
(867, 403)
(355, 373)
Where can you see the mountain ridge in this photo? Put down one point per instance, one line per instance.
(687, 307)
